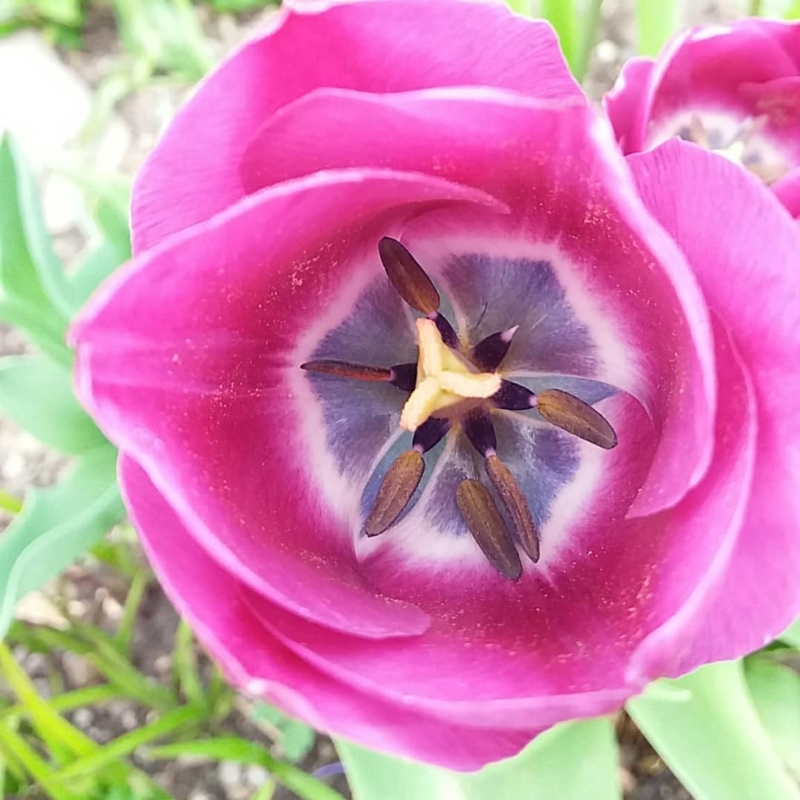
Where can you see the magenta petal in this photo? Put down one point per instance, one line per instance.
(624, 101)
(746, 263)
(787, 190)
(261, 665)
(187, 360)
(373, 46)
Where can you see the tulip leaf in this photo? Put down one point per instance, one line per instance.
(30, 271)
(574, 759)
(791, 635)
(296, 739)
(775, 690)
(56, 525)
(715, 742)
(37, 395)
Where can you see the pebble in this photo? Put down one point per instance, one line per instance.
(256, 775)
(83, 718)
(230, 772)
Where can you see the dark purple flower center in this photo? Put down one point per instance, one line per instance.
(460, 415)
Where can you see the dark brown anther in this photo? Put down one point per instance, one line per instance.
(478, 428)
(488, 529)
(343, 369)
(516, 505)
(489, 352)
(572, 415)
(404, 376)
(513, 397)
(408, 278)
(398, 486)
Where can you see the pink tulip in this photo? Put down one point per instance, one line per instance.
(732, 89)
(373, 184)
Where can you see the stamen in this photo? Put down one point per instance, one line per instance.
(395, 492)
(404, 376)
(447, 331)
(344, 369)
(488, 529)
(479, 430)
(516, 505)
(488, 353)
(513, 397)
(410, 281)
(430, 433)
(572, 415)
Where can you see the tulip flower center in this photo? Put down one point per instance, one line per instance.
(462, 412)
(744, 141)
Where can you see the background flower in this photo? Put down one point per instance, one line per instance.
(257, 222)
(733, 89)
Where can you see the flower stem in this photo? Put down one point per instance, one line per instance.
(9, 503)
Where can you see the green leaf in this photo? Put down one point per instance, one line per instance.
(715, 742)
(169, 723)
(572, 760)
(56, 525)
(37, 395)
(44, 329)
(792, 634)
(655, 22)
(296, 738)
(232, 748)
(775, 690)
(30, 272)
(793, 12)
(62, 739)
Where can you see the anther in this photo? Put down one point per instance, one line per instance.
(344, 369)
(488, 529)
(410, 281)
(516, 505)
(572, 415)
(395, 492)
(489, 352)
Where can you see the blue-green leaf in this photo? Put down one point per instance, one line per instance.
(791, 635)
(573, 760)
(30, 271)
(714, 742)
(37, 395)
(775, 690)
(296, 738)
(56, 525)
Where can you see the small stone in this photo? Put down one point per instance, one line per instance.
(256, 775)
(83, 718)
(230, 773)
(128, 719)
(78, 671)
(199, 794)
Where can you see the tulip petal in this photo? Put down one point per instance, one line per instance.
(574, 212)
(752, 283)
(188, 360)
(702, 69)
(622, 102)
(787, 190)
(374, 46)
(261, 665)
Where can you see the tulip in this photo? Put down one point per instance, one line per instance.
(440, 422)
(732, 89)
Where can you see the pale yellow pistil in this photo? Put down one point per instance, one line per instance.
(443, 380)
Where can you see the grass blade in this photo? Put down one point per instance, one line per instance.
(655, 22)
(232, 748)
